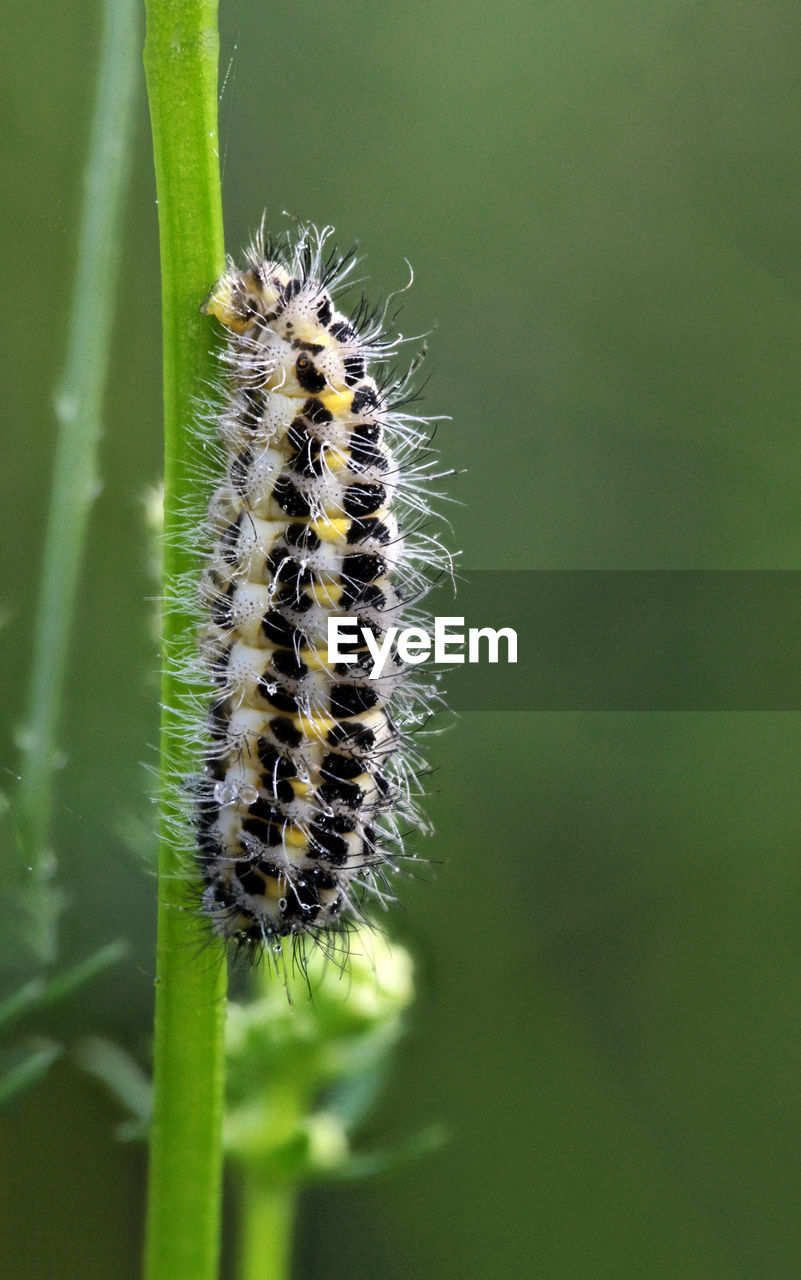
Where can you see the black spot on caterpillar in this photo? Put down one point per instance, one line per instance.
(311, 777)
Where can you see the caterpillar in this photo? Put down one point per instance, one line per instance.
(311, 777)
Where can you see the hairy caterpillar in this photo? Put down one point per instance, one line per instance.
(310, 779)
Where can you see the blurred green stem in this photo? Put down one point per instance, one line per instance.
(78, 408)
(268, 1212)
(181, 54)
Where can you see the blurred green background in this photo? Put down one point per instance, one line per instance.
(600, 202)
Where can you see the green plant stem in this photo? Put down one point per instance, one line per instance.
(181, 54)
(78, 408)
(268, 1213)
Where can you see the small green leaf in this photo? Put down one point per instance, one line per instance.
(378, 1163)
(63, 984)
(17, 1076)
(21, 1001)
(121, 1074)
